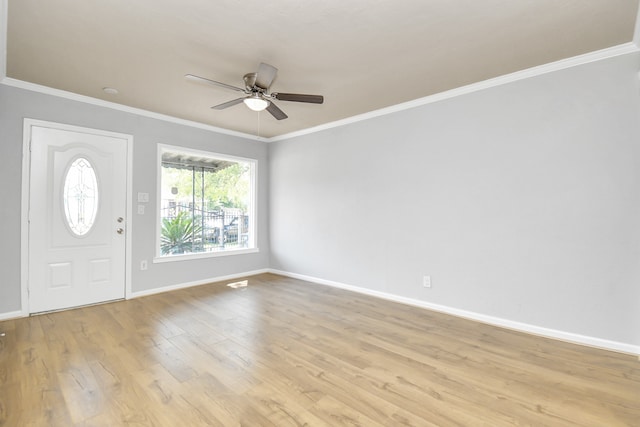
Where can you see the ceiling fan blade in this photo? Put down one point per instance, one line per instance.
(276, 112)
(298, 97)
(266, 75)
(211, 82)
(228, 104)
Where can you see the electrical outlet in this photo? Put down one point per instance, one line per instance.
(426, 281)
(143, 264)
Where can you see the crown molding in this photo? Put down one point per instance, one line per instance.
(626, 48)
(562, 64)
(124, 108)
(4, 18)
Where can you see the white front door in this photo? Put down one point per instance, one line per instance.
(77, 211)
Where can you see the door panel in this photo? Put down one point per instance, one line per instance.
(76, 231)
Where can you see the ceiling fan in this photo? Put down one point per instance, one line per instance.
(256, 89)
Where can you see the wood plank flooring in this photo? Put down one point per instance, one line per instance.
(283, 352)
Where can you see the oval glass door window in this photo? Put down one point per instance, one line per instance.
(80, 196)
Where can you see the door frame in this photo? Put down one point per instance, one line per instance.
(26, 193)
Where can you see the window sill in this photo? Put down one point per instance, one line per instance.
(201, 255)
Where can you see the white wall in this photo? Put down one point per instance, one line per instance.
(522, 202)
(16, 104)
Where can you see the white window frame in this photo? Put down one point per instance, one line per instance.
(253, 209)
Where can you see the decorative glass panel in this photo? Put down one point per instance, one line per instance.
(80, 196)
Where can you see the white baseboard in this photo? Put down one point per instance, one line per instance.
(491, 320)
(195, 283)
(17, 314)
(12, 315)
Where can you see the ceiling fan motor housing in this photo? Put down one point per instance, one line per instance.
(250, 81)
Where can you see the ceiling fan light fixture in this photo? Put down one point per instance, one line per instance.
(256, 103)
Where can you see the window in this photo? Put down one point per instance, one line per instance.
(207, 204)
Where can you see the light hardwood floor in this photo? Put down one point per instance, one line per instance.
(282, 352)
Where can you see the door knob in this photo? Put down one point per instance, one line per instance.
(120, 230)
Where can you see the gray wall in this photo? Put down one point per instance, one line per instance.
(521, 201)
(16, 104)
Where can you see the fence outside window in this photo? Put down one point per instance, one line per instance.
(212, 229)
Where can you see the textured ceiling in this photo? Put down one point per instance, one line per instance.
(362, 55)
